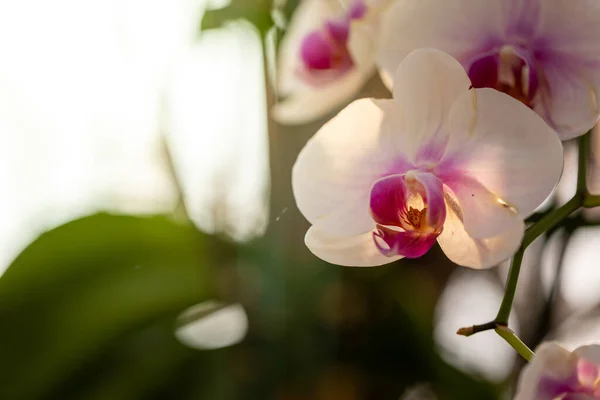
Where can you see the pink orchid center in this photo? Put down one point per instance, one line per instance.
(326, 49)
(324, 52)
(417, 218)
(409, 211)
(507, 71)
(584, 382)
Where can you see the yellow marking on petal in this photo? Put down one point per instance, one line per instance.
(509, 207)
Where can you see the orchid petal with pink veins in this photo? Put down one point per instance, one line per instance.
(405, 173)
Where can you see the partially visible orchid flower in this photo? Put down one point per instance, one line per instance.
(545, 53)
(385, 179)
(326, 56)
(556, 373)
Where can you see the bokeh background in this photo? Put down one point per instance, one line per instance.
(150, 246)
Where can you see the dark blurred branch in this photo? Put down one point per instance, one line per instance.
(471, 330)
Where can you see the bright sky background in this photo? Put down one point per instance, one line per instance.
(86, 89)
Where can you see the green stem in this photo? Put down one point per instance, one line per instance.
(582, 162)
(551, 219)
(511, 287)
(532, 233)
(591, 200)
(513, 340)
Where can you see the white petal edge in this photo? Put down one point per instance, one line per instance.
(590, 352)
(348, 251)
(463, 250)
(334, 173)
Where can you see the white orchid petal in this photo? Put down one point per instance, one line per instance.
(386, 78)
(570, 102)
(571, 70)
(590, 352)
(458, 27)
(308, 104)
(550, 359)
(505, 146)
(485, 215)
(363, 43)
(463, 250)
(555, 38)
(349, 251)
(335, 171)
(310, 15)
(426, 84)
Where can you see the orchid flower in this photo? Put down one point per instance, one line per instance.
(326, 56)
(385, 178)
(545, 53)
(556, 373)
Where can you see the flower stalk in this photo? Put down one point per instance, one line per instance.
(507, 334)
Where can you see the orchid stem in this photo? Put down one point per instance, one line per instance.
(507, 334)
(532, 233)
(591, 201)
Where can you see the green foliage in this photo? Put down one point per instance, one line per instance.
(91, 285)
(257, 12)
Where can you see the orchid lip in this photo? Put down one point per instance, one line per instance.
(508, 69)
(409, 212)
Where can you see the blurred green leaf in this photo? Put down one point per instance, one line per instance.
(257, 12)
(82, 287)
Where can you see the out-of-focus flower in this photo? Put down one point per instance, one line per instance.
(385, 178)
(545, 53)
(212, 325)
(326, 56)
(556, 373)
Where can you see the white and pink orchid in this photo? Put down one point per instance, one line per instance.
(441, 161)
(326, 56)
(556, 373)
(545, 53)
